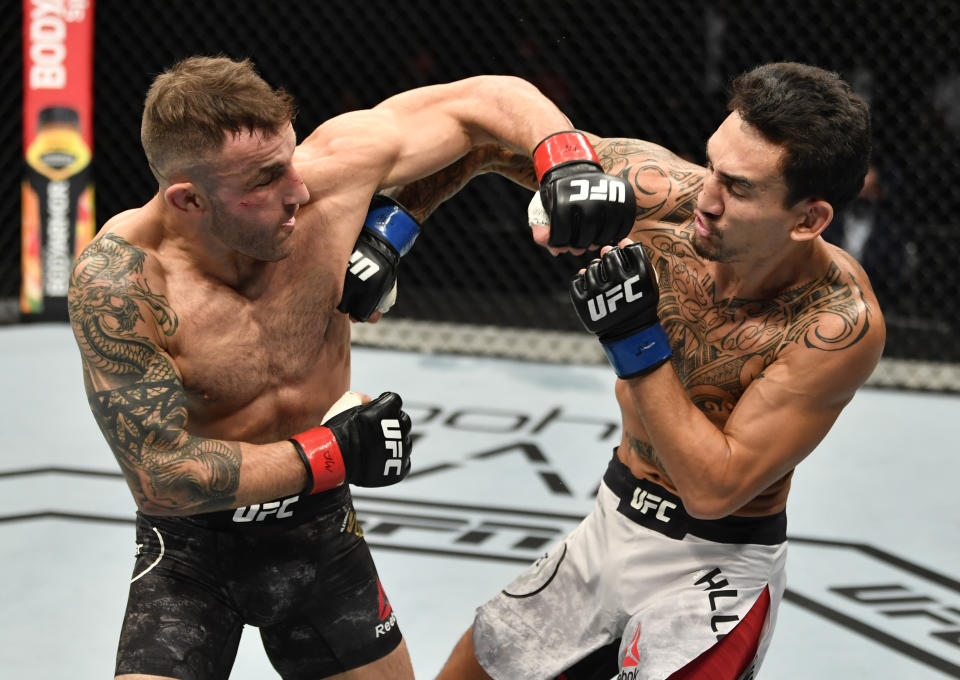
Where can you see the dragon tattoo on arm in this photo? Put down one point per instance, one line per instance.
(134, 391)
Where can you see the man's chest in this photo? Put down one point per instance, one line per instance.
(232, 350)
(719, 344)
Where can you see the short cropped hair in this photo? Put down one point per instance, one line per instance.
(823, 126)
(190, 106)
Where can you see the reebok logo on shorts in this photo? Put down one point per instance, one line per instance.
(384, 604)
(385, 613)
(630, 668)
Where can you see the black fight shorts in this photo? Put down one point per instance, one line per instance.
(312, 590)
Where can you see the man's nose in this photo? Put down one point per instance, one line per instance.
(709, 200)
(298, 193)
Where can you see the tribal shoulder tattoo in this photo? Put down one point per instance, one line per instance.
(136, 396)
(721, 345)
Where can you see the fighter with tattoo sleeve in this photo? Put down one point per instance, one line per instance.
(213, 324)
(738, 335)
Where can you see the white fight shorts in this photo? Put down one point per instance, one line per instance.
(688, 598)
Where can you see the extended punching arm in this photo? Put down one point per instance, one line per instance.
(585, 206)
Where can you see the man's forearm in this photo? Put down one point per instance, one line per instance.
(694, 452)
(424, 196)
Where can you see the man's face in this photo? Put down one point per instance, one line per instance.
(740, 211)
(255, 194)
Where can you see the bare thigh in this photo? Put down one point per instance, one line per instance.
(394, 666)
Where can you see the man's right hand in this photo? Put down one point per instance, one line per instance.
(586, 207)
(616, 298)
(368, 445)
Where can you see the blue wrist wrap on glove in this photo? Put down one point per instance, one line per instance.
(639, 353)
(393, 223)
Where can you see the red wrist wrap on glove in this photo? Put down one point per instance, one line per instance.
(321, 456)
(562, 147)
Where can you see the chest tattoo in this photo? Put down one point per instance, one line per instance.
(722, 344)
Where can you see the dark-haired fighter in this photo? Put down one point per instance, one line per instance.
(738, 335)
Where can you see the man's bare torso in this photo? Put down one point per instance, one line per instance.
(257, 363)
(722, 344)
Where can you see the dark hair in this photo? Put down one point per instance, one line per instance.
(816, 117)
(192, 104)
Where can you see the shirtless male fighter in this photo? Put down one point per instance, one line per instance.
(738, 335)
(213, 326)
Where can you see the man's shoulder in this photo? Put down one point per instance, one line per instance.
(836, 326)
(124, 252)
(346, 133)
(130, 229)
(349, 152)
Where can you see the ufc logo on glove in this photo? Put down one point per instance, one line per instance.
(611, 190)
(393, 441)
(606, 302)
(361, 266)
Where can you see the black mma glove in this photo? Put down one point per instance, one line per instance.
(367, 445)
(586, 206)
(388, 233)
(616, 298)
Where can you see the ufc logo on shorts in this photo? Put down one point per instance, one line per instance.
(392, 437)
(604, 190)
(606, 302)
(258, 512)
(643, 501)
(362, 267)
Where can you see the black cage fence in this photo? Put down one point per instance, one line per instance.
(639, 68)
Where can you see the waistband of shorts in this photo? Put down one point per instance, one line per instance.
(652, 506)
(273, 516)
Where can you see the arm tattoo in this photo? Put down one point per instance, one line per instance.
(424, 196)
(134, 392)
(650, 168)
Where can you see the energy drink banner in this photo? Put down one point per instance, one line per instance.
(57, 214)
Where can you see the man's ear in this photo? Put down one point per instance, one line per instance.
(814, 218)
(185, 197)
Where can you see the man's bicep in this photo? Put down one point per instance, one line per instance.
(423, 143)
(132, 385)
(143, 415)
(134, 390)
(134, 416)
(781, 418)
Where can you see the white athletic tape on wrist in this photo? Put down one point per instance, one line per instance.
(536, 214)
(387, 301)
(347, 400)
